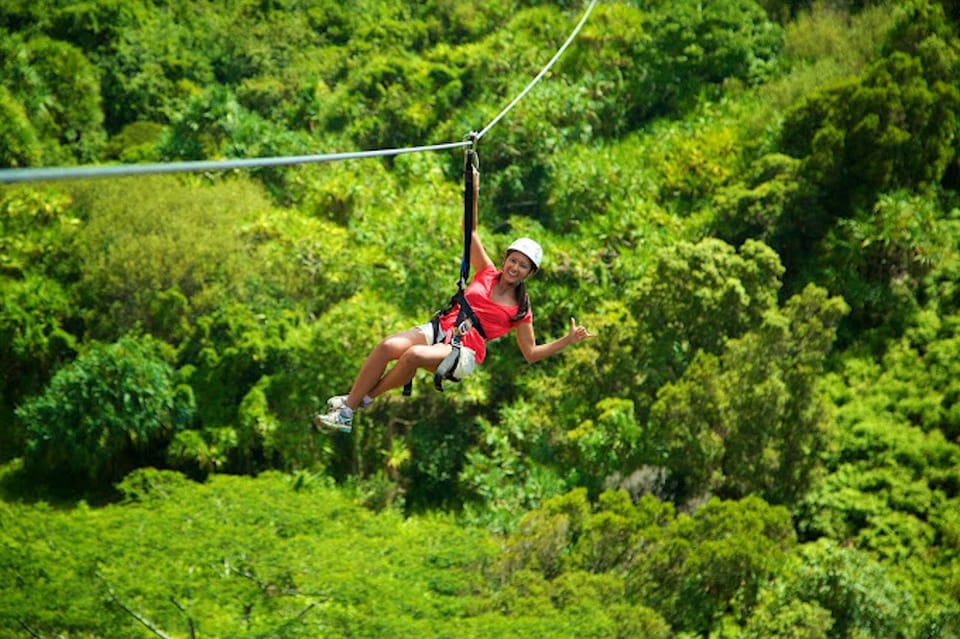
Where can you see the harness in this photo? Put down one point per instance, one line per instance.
(454, 363)
(466, 321)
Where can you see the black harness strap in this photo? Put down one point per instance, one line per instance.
(469, 208)
(465, 313)
(465, 322)
(466, 318)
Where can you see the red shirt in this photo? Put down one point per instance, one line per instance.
(496, 319)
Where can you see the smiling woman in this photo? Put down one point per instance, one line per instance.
(454, 341)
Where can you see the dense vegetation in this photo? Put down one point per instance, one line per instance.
(753, 203)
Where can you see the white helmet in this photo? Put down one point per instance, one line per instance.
(529, 248)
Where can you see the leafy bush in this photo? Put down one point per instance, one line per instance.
(755, 208)
(136, 142)
(39, 322)
(696, 296)
(500, 482)
(60, 90)
(861, 596)
(878, 258)
(750, 421)
(34, 343)
(887, 130)
(19, 143)
(114, 408)
(157, 252)
(256, 383)
(712, 562)
(695, 46)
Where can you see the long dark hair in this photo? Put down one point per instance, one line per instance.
(523, 300)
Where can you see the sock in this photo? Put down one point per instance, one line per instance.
(346, 411)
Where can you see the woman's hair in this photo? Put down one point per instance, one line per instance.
(523, 300)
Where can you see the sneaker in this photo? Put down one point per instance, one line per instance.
(338, 419)
(337, 401)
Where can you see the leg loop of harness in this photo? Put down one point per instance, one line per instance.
(446, 368)
(461, 360)
(435, 325)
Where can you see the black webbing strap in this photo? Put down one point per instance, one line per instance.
(464, 313)
(470, 162)
(469, 209)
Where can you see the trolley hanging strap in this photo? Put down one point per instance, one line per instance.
(465, 316)
(470, 161)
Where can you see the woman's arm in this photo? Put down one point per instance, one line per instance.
(533, 352)
(478, 256)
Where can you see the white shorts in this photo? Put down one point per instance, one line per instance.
(427, 330)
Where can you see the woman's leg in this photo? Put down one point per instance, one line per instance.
(389, 349)
(414, 358)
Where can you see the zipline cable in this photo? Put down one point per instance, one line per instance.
(543, 71)
(9, 176)
(115, 170)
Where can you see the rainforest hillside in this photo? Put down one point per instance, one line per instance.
(753, 204)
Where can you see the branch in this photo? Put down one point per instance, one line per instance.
(190, 626)
(30, 631)
(306, 610)
(146, 622)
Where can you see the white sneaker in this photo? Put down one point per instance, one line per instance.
(337, 401)
(338, 419)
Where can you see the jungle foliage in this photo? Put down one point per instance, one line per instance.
(752, 203)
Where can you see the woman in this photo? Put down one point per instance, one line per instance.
(499, 301)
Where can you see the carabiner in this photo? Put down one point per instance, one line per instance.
(472, 151)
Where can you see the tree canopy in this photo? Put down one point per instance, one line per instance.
(752, 203)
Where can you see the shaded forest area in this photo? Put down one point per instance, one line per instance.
(753, 203)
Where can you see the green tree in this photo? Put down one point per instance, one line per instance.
(59, 90)
(862, 597)
(695, 46)
(499, 480)
(19, 144)
(888, 129)
(111, 410)
(136, 142)
(755, 208)
(891, 128)
(228, 361)
(214, 124)
(34, 342)
(696, 296)
(159, 252)
(610, 58)
(39, 322)
(545, 536)
(878, 259)
(152, 60)
(890, 490)
(380, 106)
(789, 620)
(616, 527)
(606, 444)
(36, 227)
(711, 563)
(749, 420)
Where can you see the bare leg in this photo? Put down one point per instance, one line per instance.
(415, 357)
(390, 349)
